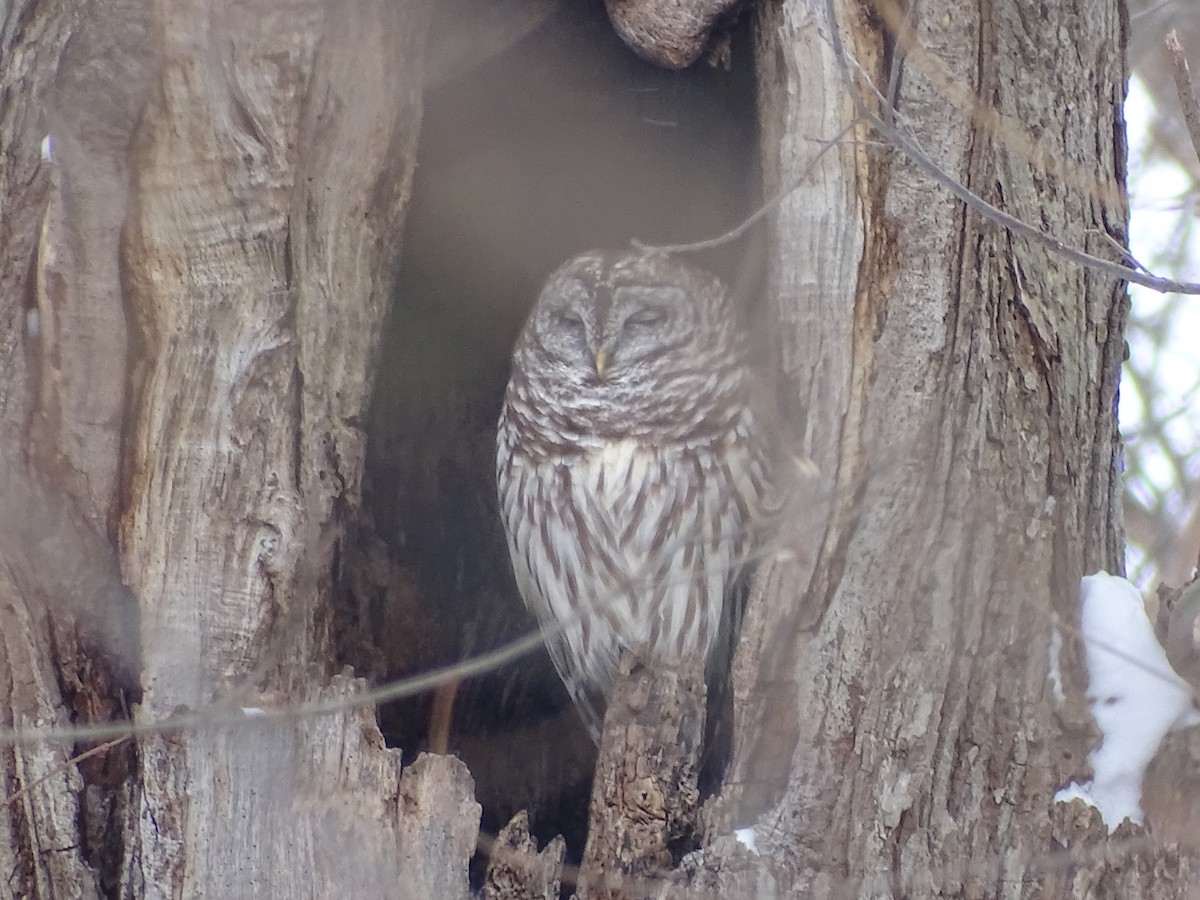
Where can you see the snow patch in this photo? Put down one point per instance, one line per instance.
(1136, 697)
(1055, 670)
(747, 838)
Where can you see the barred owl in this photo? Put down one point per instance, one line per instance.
(630, 465)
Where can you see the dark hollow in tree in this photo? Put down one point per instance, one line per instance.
(563, 142)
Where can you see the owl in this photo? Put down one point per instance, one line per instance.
(630, 465)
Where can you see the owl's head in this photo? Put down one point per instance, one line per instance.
(623, 318)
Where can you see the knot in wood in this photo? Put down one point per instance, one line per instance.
(644, 795)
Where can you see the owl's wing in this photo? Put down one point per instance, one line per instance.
(560, 635)
(563, 548)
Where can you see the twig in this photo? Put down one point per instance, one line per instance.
(1183, 87)
(1119, 248)
(226, 714)
(74, 760)
(738, 230)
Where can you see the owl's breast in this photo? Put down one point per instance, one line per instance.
(620, 473)
(651, 495)
(615, 466)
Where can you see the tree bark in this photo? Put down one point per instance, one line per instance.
(517, 871)
(957, 389)
(646, 796)
(201, 219)
(271, 170)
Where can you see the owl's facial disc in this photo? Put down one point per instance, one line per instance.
(605, 332)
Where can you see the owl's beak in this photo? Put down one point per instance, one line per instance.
(601, 363)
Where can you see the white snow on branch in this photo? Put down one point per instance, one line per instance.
(747, 838)
(1136, 697)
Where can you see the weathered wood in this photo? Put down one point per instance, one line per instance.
(669, 33)
(43, 809)
(517, 871)
(270, 178)
(310, 807)
(818, 240)
(271, 169)
(265, 152)
(957, 390)
(73, 80)
(645, 798)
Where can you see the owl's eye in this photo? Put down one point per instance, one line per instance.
(646, 318)
(569, 319)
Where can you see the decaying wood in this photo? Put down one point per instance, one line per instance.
(229, 184)
(65, 565)
(517, 871)
(271, 172)
(669, 33)
(89, 112)
(73, 85)
(645, 798)
(311, 807)
(818, 239)
(47, 814)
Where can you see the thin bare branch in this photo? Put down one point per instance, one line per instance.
(1183, 86)
(73, 761)
(738, 230)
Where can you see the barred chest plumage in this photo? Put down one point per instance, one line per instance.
(630, 546)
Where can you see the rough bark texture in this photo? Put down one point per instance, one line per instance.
(961, 394)
(202, 208)
(669, 33)
(645, 798)
(272, 166)
(517, 871)
(44, 808)
(313, 807)
(71, 99)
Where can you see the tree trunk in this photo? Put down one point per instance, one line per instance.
(956, 387)
(198, 260)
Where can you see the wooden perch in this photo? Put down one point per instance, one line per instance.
(645, 799)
